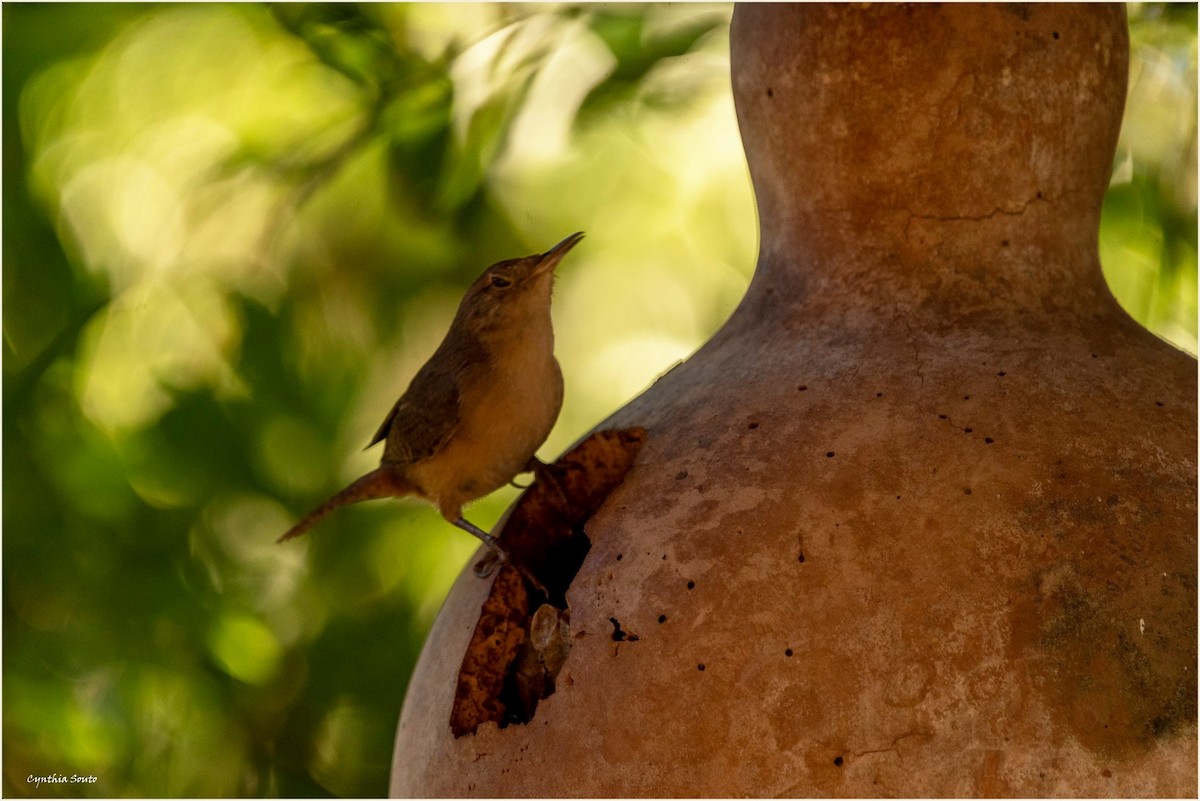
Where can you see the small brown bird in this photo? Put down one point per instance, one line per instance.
(477, 411)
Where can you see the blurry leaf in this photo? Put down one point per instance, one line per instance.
(638, 54)
(470, 160)
(345, 37)
(245, 648)
(418, 124)
(421, 112)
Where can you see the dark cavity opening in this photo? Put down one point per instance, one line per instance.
(524, 631)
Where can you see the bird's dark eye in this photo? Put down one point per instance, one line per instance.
(500, 282)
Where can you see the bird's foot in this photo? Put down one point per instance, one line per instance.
(490, 561)
(496, 555)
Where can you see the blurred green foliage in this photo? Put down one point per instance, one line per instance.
(1148, 229)
(231, 235)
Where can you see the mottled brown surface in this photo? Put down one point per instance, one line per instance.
(925, 509)
(494, 645)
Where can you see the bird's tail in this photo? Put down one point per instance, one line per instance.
(379, 483)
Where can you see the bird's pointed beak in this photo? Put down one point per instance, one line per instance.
(554, 255)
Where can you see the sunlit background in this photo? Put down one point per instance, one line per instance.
(233, 233)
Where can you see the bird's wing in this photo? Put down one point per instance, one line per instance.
(416, 431)
(385, 426)
(427, 414)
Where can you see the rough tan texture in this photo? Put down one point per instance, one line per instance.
(925, 509)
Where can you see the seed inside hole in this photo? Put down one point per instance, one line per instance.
(662, 618)
(829, 454)
(787, 652)
(700, 667)
(691, 585)
(837, 760)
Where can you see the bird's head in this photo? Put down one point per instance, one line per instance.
(516, 287)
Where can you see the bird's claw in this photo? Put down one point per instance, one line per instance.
(495, 557)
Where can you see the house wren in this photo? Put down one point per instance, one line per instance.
(476, 412)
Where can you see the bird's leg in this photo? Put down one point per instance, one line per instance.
(497, 556)
(488, 539)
